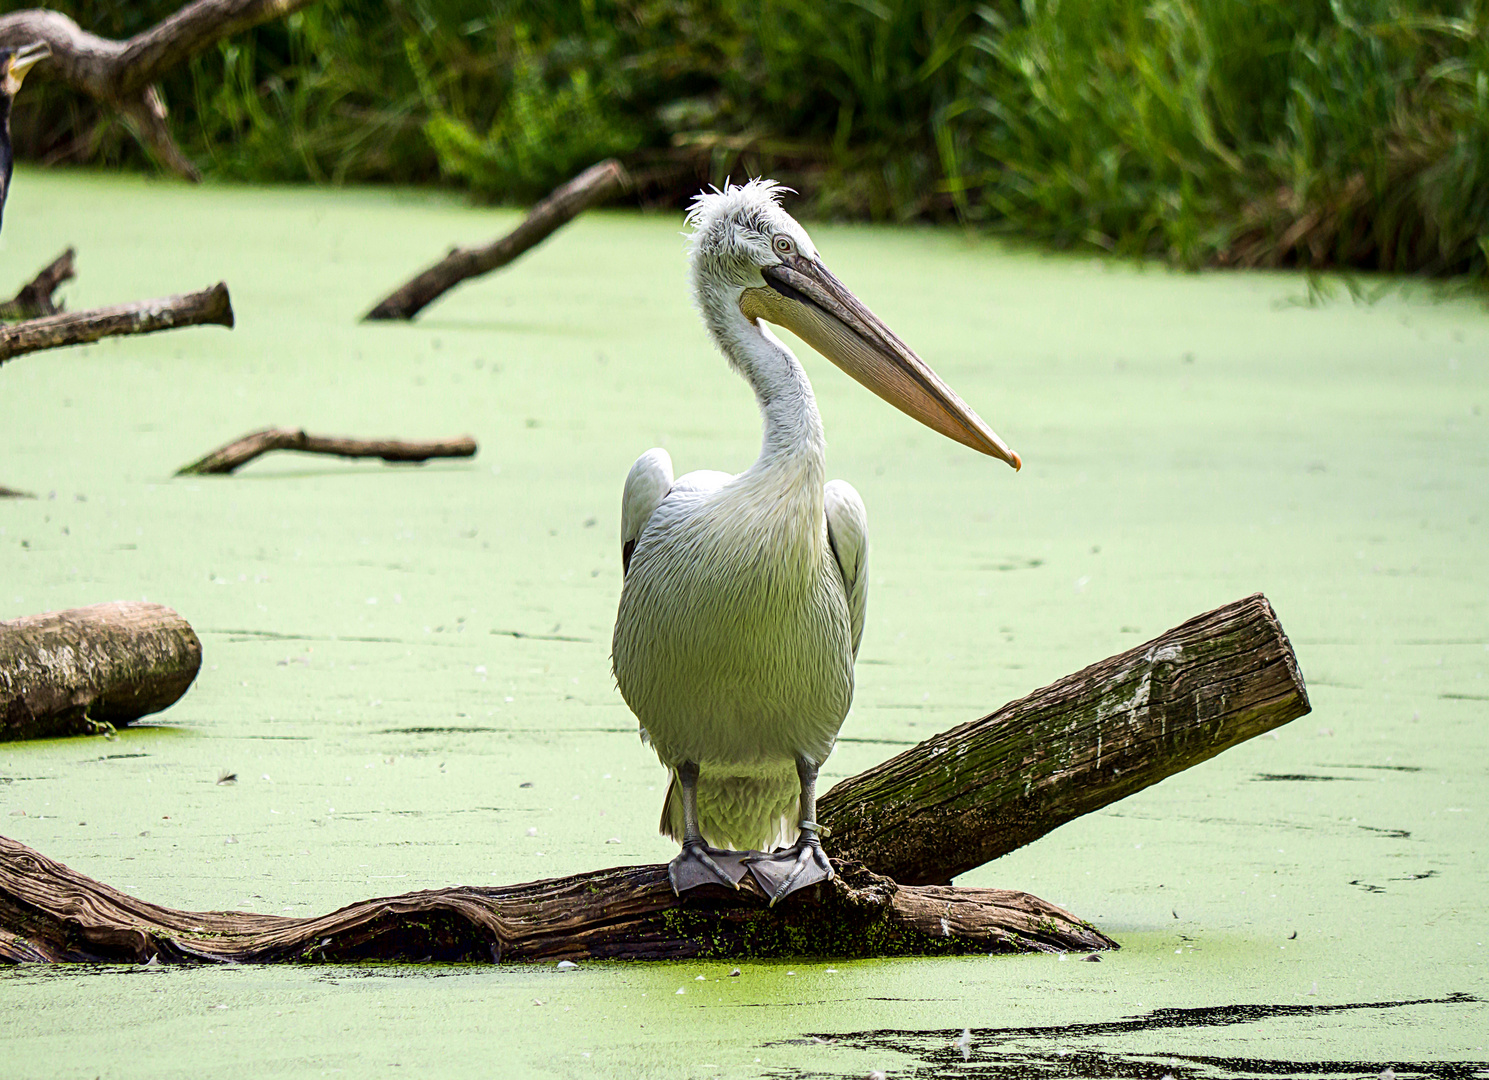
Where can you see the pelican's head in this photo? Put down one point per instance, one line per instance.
(748, 251)
(14, 63)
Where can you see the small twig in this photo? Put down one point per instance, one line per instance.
(35, 298)
(241, 451)
(594, 185)
(210, 306)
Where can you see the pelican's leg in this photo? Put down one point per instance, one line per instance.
(699, 864)
(782, 872)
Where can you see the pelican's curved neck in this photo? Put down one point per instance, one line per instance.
(793, 427)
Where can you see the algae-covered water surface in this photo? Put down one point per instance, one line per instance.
(407, 668)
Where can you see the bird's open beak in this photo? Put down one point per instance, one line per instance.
(803, 296)
(24, 60)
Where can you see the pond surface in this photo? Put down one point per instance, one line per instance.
(407, 668)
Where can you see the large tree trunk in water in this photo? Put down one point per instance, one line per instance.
(89, 669)
(120, 75)
(946, 806)
(968, 795)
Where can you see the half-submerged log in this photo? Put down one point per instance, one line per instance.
(208, 307)
(35, 299)
(51, 913)
(92, 669)
(968, 795)
(594, 185)
(241, 451)
(121, 75)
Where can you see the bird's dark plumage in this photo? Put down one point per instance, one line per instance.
(14, 63)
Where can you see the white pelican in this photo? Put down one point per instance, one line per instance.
(743, 602)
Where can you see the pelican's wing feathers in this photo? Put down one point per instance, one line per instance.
(647, 484)
(848, 533)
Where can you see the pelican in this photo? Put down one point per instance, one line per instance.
(14, 63)
(743, 602)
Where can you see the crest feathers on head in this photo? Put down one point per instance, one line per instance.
(710, 207)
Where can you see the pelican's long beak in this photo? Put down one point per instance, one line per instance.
(803, 296)
(23, 60)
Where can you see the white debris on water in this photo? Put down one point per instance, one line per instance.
(964, 1044)
(567, 965)
(680, 990)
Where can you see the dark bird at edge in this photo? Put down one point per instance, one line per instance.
(14, 63)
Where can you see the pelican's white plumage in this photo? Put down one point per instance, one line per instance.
(744, 596)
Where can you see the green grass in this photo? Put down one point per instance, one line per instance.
(1231, 132)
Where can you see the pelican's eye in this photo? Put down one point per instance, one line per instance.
(784, 246)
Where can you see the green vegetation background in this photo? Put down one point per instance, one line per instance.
(1242, 132)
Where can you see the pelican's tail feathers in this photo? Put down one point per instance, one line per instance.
(672, 809)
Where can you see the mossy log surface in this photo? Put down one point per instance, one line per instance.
(86, 670)
(49, 913)
(966, 796)
(593, 186)
(256, 443)
(208, 307)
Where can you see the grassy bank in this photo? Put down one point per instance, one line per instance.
(1233, 132)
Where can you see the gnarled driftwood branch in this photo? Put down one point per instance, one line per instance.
(241, 451)
(120, 75)
(594, 185)
(51, 913)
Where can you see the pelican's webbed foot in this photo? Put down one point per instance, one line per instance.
(698, 864)
(782, 872)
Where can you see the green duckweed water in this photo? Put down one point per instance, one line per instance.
(407, 668)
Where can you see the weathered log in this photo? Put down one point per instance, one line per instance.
(49, 913)
(968, 795)
(120, 75)
(594, 185)
(241, 451)
(91, 669)
(35, 301)
(210, 306)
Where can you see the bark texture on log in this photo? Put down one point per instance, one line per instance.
(35, 301)
(968, 795)
(241, 451)
(49, 913)
(593, 186)
(120, 74)
(208, 307)
(86, 670)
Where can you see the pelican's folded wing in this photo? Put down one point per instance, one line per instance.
(848, 533)
(647, 484)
